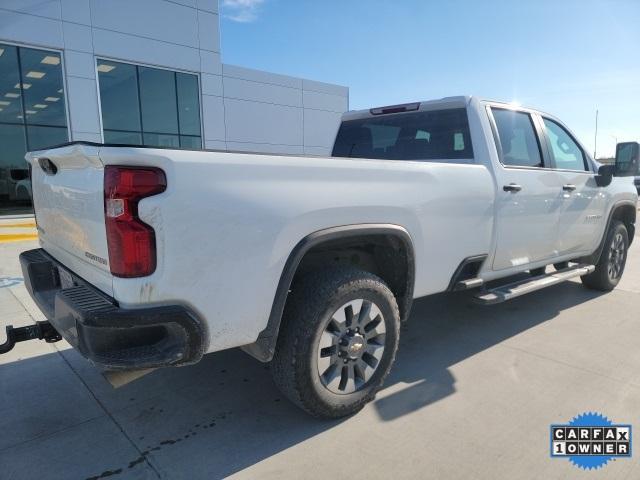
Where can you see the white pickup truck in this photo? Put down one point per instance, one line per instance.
(154, 257)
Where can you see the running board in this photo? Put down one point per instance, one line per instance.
(512, 290)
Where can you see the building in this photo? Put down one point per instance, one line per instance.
(142, 72)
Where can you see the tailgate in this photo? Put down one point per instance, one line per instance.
(68, 200)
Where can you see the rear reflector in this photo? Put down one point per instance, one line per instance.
(131, 242)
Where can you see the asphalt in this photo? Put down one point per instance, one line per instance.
(472, 395)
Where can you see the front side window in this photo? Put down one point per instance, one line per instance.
(566, 153)
(149, 106)
(518, 139)
(440, 135)
(32, 117)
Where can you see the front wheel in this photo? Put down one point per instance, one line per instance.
(337, 343)
(612, 260)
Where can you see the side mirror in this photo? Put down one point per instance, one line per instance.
(627, 159)
(605, 175)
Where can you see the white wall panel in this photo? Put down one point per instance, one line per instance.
(318, 151)
(37, 31)
(256, 125)
(213, 121)
(79, 64)
(208, 31)
(320, 127)
(325, 88)
(188, 3)
(263, 123)
(86, 137)
(325, 101)
(262, 92)
(260, 76)
(143, 50)
(159, 20)
(211, 84)
(77, 37)
(77, 11)
(210, 62)
(209, 5)
(215, 145)
(42, 8)
(83, 104)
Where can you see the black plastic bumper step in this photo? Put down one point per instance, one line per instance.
(506, 292)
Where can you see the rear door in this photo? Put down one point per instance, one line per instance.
(529, 199)
(583, 202)
(68, 201)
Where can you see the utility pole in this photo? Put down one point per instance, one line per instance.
(595, 140)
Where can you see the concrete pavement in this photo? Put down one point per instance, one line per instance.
(472, 395)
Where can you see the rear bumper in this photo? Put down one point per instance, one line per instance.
(111, 337)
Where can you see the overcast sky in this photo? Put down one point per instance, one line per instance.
(566, 57)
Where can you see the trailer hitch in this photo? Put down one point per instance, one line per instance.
(39, 331)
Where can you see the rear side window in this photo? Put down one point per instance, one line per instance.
(518, 138)
(439, 135)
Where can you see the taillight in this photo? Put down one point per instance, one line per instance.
(131, 242)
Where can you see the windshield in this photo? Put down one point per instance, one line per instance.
(439, 135)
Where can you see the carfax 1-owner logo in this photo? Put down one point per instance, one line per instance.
(590, 440)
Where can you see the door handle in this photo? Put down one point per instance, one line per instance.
(568, 187)
(512, 187)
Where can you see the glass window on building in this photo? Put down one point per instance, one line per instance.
(32, 117)
(149, 106)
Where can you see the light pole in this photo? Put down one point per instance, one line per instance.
(595, 139)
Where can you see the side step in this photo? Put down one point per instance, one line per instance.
(468, 284)
(506, 292)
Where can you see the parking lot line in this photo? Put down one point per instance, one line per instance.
(17, 237)
(31, 224)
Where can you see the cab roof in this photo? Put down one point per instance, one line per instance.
(460, 101)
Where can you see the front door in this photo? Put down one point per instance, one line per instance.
(529, 196)
(581, 216)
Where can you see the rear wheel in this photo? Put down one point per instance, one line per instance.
(612, 261)
(337, 343)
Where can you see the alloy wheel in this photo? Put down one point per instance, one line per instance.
(617, 254)
(351, 346)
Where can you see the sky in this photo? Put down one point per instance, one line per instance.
(565, 57)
